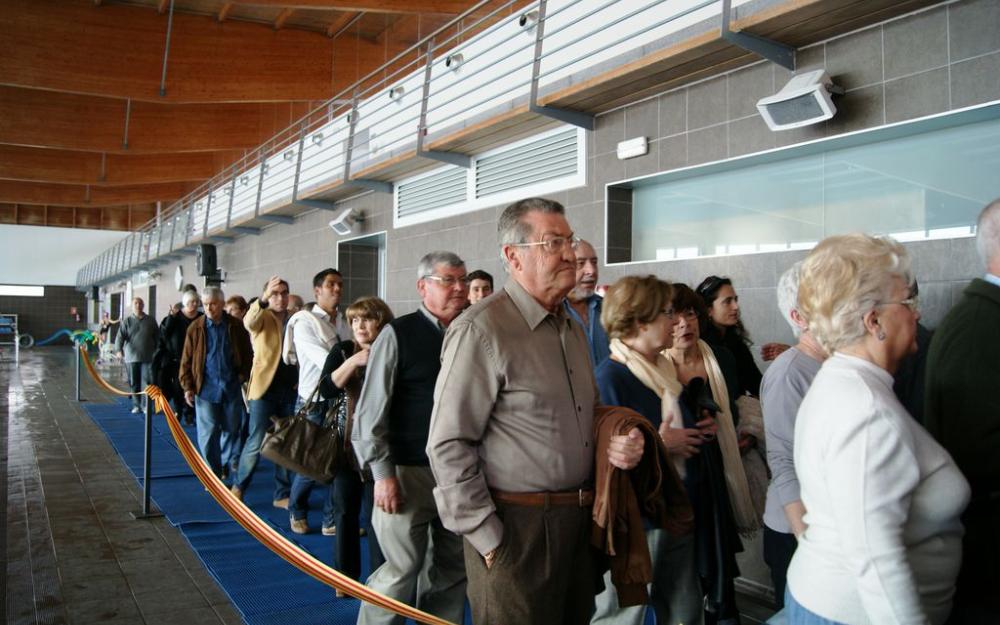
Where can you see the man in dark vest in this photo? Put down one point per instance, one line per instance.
(392, 421)
(962, 412)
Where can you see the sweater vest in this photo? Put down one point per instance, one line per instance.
(419, 342)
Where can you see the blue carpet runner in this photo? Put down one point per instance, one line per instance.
(265, 589)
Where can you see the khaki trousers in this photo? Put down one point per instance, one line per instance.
(414, 540)
(544, 572)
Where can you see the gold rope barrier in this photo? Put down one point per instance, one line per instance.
(246, 517)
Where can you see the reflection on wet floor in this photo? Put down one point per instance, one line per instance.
(74, 553)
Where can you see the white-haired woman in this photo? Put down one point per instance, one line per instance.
(882, 498)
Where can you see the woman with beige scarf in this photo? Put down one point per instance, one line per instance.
(639, 319)
(719, 490)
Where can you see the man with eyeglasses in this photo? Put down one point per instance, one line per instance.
(584, 305)
(962, 412)
(390, 436)
(512, 442)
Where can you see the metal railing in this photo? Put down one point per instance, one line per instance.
(497, 56)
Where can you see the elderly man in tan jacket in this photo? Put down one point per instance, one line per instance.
(272, 388)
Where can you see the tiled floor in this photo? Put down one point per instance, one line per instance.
(74, 554)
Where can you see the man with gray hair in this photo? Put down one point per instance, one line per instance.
(136, 342)
(781, 391)
(215, 362)
(512, 435)
(390, 437)
(962, 411)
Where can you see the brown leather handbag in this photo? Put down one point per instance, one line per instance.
(310, 449)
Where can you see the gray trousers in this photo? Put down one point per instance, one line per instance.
(675, 593)
(423, 561)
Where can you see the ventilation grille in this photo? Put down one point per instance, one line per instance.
(531, 163)
(444, 188)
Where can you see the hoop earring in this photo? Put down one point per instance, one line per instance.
(881, 335)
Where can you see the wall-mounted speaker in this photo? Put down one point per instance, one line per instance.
(206, 261)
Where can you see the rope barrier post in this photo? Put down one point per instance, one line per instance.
(147, 458)
(79, 357)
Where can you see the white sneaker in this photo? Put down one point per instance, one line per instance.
(136, 410)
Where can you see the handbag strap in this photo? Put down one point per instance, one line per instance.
(309, 402)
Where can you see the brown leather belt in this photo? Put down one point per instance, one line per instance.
(581, 498)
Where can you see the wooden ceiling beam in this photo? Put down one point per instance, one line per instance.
(100, 169)
(19, 192)
(450, 7)
(30, 117)
(70, 47)
(340, 23)
(283, 16)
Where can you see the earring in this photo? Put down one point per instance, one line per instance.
(881, 334)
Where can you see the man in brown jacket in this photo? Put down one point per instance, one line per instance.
(215, 362)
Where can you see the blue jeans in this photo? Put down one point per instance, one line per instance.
(273, 404)
(139, 375)
(213, 419)
(799, 615)
(298, 500)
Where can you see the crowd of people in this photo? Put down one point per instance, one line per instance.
(556, 456)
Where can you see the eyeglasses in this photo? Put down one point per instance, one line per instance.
(448, 281)
(913, 303)
(555, 245)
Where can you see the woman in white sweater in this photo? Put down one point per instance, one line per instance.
(883, 499)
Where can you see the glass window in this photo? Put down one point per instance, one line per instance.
(22, 291)
(927, 179)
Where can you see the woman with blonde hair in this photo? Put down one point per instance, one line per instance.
(882, 498)
(638, 317)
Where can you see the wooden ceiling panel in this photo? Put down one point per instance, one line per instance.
(118, 50)
(18, 192)
(73, 167)
(31, 117)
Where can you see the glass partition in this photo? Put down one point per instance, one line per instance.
(923, 180)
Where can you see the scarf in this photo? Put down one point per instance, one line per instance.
(660, 378)
(732, 463)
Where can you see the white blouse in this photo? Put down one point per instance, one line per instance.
(883, 500)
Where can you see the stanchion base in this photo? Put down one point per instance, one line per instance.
(138, 516)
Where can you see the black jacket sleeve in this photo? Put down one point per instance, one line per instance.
(340, 352)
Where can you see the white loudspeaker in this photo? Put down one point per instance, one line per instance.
(344, 222)
(805, 100)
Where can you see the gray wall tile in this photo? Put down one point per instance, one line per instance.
(916, 43)
(707, 103)
(673, 113)
(749, 135)
(708, 144)
(973, 28)
(609, 130)
(916, 95)
(856, 60)
(746, 86)
(643, 120)
(857, 110)
(975, 81)
(673, 152)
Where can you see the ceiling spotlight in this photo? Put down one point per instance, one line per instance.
(317, 138)
(396, 93)
(289, 155)
(806, 99)
(245, 180)
(528, 19)
(454, 60)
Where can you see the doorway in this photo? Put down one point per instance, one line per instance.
(361, 261)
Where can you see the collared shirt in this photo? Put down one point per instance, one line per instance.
(514, 410)
(597, 338)
(219, 377)
(372, 413)
(992, 279)
(313, 341)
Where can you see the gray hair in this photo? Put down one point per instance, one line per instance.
(188, 296)
(988, 232)
(843, 278)
(210, 293)
(788, 293)
(511, 228)
(431, 260)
